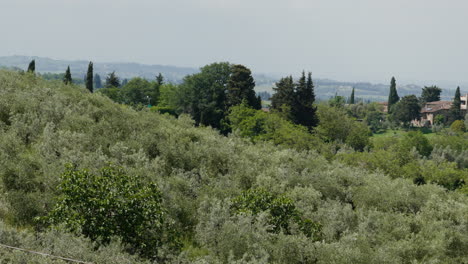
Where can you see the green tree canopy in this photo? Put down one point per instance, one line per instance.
(406, 110)
(203, 95)
(112, 80)
(241, 86)
(140, 91)
(430, 94)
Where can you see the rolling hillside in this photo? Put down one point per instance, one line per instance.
(345, 214)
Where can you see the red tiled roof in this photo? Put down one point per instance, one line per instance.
(436, 106)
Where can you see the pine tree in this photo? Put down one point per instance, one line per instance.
(304, 112)
(112, 80)
(393, 97)
(67, 79)
(351, 98)
(32, 66)
(97, 81)
(455, 112)
(430, 94)
(241, 86)
(284, 94)
(89, 77)
(159, 79)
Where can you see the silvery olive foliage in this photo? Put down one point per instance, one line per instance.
(367, 213)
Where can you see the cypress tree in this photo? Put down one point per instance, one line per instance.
(455, 112)
(89, 77)
(67, 79)
(351, 99)
(393, 97)
(112, 80)
(97, 81)
(241, 86)
(32, 66)
(159, 79)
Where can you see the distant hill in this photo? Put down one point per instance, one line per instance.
(325, 88)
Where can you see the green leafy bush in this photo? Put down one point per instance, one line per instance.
(111, 203)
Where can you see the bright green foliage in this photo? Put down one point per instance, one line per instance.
(374, 120)
(97, 81)
(260, 126)
(337, 101)
(415, 139)
(89, 78)
(335, 125)
(67, 78)
(393, 97)
(168, 95)
(112, 81)
(140, 91)
(112, 203)
(164, 110)
(137, 91)
(439, 119)
(281, 211)
(430, 94)
(406, 110)
(203, 95)
(458, 126)
(32, 66)
(358, 137)
(351, 98)
(455, 111)
(240, 86)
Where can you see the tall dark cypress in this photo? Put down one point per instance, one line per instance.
(67, 79)
(351, 98)
(89, 77)
(32, 66)
(393, 97)
(455, 110)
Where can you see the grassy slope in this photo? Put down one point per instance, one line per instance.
(366, 218)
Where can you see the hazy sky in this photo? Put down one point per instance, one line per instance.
(355, 40)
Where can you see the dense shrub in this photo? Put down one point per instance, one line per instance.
(111, 203)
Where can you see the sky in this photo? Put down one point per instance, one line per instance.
(419, 41)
